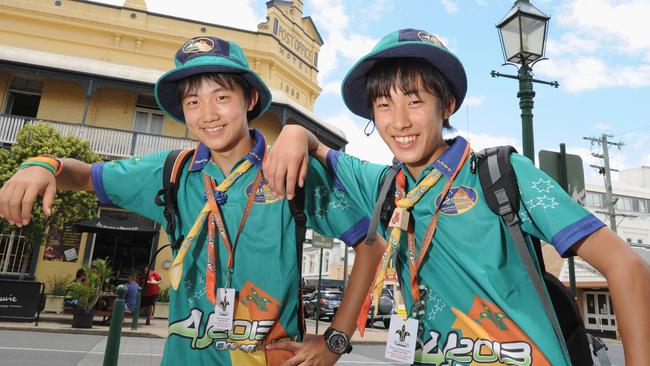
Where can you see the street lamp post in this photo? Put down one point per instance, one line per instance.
(522, 33)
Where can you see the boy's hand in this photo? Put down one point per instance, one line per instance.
(312, 351)
(18, 194)
(286, 164)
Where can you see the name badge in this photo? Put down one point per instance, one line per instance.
(224, 308)
(402, 338)
(400, 219)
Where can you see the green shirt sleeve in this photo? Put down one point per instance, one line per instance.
(332, 210)
(547, 211)
(131, 184)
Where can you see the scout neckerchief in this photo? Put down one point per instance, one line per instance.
(176, 269)
(216, 219)
(400, 221)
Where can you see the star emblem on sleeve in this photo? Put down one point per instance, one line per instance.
(546, 202)
(543, 186)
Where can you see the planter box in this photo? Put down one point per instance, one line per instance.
(53, 304)
(162, 310)
(82, 318)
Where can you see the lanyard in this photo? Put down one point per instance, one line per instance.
(176, 269)
(216, 219)
(416, 259)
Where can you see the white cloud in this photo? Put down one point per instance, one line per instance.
(331, 17)
(605, 45)
(474, 101)
(604, 127)
(238, 14)
(331, 87)
(370, 148)
(376, 9)
(589, 73)
(450, 6)
(480, 141)
(482, 2)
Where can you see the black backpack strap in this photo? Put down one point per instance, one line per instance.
(384, 205)
(166, 197)
(501, 193)
(297, 207)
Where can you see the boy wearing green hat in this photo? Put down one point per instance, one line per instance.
(235, 275)
(461, 276)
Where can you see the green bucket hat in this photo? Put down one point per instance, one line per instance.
(208, 55)
(399, 44)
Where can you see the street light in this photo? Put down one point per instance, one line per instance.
(522, 33)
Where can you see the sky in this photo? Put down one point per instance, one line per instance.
(598, 51)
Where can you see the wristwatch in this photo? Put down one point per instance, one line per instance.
(337, 342)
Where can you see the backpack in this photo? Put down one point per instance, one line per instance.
(501, 193)
(167, 198)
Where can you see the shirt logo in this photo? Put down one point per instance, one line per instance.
(198, 45)
(263, 195)
(458, 201)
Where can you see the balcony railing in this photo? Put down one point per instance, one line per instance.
(105, 141)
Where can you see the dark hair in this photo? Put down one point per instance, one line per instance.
(227, 80)
(403, 74)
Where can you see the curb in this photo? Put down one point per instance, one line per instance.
(125, 333)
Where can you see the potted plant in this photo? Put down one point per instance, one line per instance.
(86, 294)
(162, 303)
(56, 287)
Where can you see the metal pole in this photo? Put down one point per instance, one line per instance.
(320, 276)
(115, 332)
(345, 266)
(564, 182)
(608, 185)
(526, 95)
(136, 312)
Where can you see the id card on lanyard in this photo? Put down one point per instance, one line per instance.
(223, 297)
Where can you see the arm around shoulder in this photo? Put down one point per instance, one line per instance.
(628, 277)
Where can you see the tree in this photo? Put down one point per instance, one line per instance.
(38, 139)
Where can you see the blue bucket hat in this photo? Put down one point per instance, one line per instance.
(399, 44)
(208, 55)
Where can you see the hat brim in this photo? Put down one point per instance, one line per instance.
(354, 84)
(166, 88)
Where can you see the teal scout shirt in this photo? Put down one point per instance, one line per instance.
(480, 303)
(265, 272)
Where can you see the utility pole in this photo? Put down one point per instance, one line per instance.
(605, 170)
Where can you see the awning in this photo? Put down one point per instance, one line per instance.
(113, 223)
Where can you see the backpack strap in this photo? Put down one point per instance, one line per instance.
(166, 197)
(501, 193)
(297, 207)
(384, 205)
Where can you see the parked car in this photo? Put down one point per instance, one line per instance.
(330, 300)
(385, 310)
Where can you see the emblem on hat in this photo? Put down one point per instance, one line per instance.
(426, 37)
(195, 45)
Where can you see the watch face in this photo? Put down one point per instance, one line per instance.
(338, 342)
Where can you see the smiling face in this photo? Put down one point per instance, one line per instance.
(409, 115)
(215, 112)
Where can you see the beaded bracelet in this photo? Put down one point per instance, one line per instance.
(49, 162)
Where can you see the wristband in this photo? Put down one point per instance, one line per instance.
(53, 164)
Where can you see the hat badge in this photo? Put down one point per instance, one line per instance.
(195, 45)
(426, 37)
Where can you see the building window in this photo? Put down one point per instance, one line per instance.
(311, 264)
(275, 27)
(595, 199)
(316, 59)
(148, 121)
(23, 97)
(326, 262)
(304, 264)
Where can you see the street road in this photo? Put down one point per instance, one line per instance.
(19, 348)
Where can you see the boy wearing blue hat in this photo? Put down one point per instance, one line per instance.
(461, 276)
(235, 275)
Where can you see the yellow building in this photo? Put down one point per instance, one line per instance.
(89, 69)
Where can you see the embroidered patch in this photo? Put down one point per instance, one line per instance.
(198, 45)
(264, 194)
(459, 200)
(426, 37)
